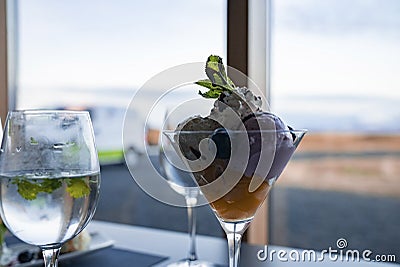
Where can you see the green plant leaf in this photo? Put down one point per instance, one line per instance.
(77, 188)
(217, 81)
(30, 188)
(214, 89)
(27, 189)
(49, 185)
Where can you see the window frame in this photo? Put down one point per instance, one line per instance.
(248, 50)
(8, 55)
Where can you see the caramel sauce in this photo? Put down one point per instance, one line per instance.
(238, 204)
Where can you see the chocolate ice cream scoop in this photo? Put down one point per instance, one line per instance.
(189, 144)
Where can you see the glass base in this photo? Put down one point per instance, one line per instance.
(195, 263)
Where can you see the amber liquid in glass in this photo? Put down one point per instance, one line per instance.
(239, 204)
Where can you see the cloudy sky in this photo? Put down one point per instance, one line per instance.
(102, 43)
(337, 47)
(319, 47)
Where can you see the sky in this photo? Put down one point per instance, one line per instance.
(118, 44)
(328, 47)
(336, 47)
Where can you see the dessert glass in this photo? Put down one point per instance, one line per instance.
(235, 171)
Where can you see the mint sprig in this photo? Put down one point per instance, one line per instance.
(30, 188)
(218, 81)
(77, 188)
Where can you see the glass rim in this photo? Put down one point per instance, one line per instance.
(235, 131)
(46, 111)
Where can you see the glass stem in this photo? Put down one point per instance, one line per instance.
(50, 256)
(191, 203)
(234, 241)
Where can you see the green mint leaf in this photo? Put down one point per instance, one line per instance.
(27, 189)
(215, 71)
(210, 94)
(208, 84)
(49, 185)
(33, 141)
(77, 188)
(218, 81)
(214, 90)
(30, 188)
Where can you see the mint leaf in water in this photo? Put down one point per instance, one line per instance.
(27, 189)
(77, 188)
(218, 81)
(30, 188)
(49, 185)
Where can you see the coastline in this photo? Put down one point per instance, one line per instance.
(361, 173)
(337, 142)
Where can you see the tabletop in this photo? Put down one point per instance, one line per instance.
(169, 246)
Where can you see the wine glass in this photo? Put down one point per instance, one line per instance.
(5, 253)
(183, 183)
(226, 166)
(49, 177)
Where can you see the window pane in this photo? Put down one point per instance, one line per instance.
(334, 72)
(94, 54)
(101, 45)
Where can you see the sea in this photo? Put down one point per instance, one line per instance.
(316, 113)
(340, 113)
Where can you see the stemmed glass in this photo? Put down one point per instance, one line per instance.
(235, 171)
(183, 183)
(5, 255)
(49, 177)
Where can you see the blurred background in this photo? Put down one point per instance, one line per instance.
(334, 69)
